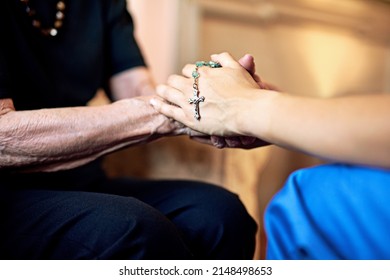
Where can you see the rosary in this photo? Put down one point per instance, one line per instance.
(196, 99)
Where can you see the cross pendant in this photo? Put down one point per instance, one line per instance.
(196, 100)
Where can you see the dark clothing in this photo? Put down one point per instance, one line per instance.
(126, 219)
(80, 213)
(95, 42)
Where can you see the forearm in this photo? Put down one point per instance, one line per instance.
(53, 139)
(352, 129)
(131, 83)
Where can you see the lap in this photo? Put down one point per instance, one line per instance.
(183, 219)
(201, 211)
(45, 224)
(331, 212)
(168, 196)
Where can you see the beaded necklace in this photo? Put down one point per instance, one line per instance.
(36, 23)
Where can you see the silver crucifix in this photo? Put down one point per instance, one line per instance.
(196, 100)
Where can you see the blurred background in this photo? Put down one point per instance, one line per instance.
(318, 48)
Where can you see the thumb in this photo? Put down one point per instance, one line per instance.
(248, 62)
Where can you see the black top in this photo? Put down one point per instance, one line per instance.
(95, 42)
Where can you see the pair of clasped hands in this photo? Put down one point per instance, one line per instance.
(233, 94)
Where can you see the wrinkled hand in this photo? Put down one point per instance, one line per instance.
(159, 124)
(240, 142)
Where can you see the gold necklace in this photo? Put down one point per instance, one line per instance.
(46, 31)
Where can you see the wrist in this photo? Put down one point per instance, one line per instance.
(140, 118)
(145, 87)
(256, 117)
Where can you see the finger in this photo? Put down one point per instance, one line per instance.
(247, 140)
(169, 110)
(218, 142)
(188, 69)
(194, 133)
(184, 130)
(226, 60)
(179, 82)
(233, 142)
(248, 62)
(171, 95)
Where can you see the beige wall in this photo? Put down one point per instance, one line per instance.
(156, 24)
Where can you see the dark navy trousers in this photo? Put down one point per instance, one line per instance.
(81, 214)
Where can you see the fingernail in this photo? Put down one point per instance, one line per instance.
(153, 102)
